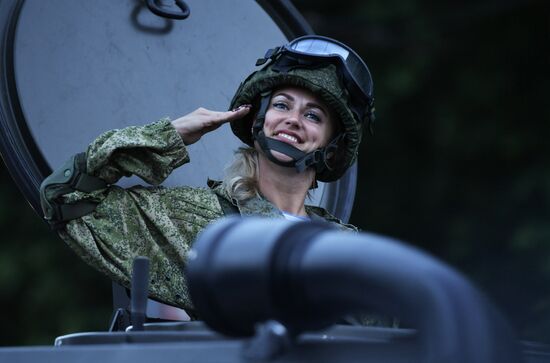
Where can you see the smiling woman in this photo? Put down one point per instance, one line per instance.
(298, 118)
(301, 115)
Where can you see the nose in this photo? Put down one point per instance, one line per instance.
(293, 119)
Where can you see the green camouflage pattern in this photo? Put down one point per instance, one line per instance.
(158, 222)
(322, 81)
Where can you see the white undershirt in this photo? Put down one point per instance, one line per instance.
(294, 217)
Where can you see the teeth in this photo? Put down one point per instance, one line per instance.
(288, 137)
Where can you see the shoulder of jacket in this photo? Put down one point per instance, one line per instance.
(201, 197)
(327, 216)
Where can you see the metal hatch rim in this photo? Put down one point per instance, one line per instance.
(28, 167)
(18, 149)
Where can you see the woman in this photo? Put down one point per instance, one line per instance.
(301, 116)
(296, 117)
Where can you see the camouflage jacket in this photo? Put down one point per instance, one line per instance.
(158, 222)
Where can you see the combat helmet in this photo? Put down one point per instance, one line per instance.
(332, 71)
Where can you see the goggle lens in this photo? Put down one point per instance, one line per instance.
(319, 47)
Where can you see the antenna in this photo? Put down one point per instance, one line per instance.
(140, 287)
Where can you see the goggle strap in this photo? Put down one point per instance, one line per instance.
(286, 63)
(270, 54)
(260, 118)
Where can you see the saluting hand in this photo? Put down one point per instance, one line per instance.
(194, 125)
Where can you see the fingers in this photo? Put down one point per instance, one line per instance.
(235, 114)
(194, 125)
(246, 108)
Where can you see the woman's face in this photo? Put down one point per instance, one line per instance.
(298, 117)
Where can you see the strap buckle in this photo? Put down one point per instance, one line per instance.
(67, 179)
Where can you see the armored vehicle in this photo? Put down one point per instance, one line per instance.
(72, 69)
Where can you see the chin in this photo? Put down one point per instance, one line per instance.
(281, 157)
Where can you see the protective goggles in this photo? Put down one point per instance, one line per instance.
(313, 50)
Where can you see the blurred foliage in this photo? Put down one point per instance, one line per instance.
(45, 290)
(458, 164)
(459, 161)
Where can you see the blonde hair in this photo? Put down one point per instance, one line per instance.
(240, 179)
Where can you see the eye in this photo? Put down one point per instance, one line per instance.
(280, 105)
(313, 116)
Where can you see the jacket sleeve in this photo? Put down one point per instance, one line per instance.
(157, 222)
(150, 152)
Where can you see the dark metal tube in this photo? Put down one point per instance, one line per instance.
(305, 275)
(140, 288)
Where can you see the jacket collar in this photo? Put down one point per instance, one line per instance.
(259, 206)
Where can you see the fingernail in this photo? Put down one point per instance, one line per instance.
(241, 107)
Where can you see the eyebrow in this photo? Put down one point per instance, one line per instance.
(309, 104)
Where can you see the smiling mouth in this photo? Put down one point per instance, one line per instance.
(290, 138)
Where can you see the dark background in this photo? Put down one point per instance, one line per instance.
(458, 165)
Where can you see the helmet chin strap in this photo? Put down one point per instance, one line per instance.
(300, 160)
